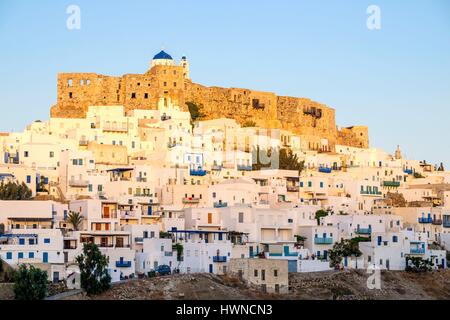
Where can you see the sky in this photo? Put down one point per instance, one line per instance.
(395, 79)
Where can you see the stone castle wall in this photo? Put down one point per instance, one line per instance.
(310, 119)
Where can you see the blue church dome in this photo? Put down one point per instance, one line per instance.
(162, 55)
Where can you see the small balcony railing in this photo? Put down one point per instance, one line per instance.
(123, 264)
(191, 200)
(219, 259)
(139, 239)
(394, 184)
(220, 204)
(244, 168)
(78, 183)
(168, 254)
(325, 170)
(408, 171)
(437, 222)
(323, 240)
(425, 220)
(197, 172)
(417, 251)
(292, 188)
(165, 118)
(363, 230)
(115, 129)
(216, 168)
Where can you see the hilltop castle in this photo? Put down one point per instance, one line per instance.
(166, 79)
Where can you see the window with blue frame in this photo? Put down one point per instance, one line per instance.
(301, 184)
(321, 184)
(47, 240)
(309, 184)
(20, 255)
(9, 255)
(21, 242)
(31, 241)
(28, 179)
(394, 239)
(31, 255)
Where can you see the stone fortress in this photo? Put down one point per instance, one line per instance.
(313, 122)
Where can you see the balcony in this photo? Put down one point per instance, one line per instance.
(139, 239)
(115, 129)
(191, 200)
(216, 168)
(244, 168)
(325, 170)
(366, 231)
(197, 172)
(165, 117)
(220, 204)
(323, 240)
(123, 264)
(219, 259)
(392, 184)
(292, 188)
(408, 171)
(168, 254)
(437, 222)
(78, 183)
(83, 143)
(425, 220)
(417, 251)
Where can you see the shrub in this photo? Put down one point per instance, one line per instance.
(30, 283)
(151, 274)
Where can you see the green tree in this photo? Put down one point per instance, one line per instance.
(93, 267)
(74, 218)
(287, 160)
(249, 123)
(30, 283)
(320, 214)
(345, 248)
(179, 248)
(417, 264)
(14, 191)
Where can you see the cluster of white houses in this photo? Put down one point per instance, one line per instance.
(148, 180)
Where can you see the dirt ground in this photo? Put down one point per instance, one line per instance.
(344, 285)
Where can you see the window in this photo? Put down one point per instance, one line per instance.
(90, 188)
(263, 275)
(46, 240)
(174, 84)
(241, 217)
(301, 184)
(275, 273)
(31, 255)
(21, 242)
(20, 255)
(9, 255)
(145, 95)
(321, 184)
(25, 154)
(52, 154)
(255, 273)
(394, 239)
(309, 184)
(31, 241)
(133, 95)
(70, 95)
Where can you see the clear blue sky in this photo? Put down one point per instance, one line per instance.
(395, 80)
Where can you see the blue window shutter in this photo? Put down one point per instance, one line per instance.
(20, 255)
(28, 179)
(46, 240)
(9, 255)
(31, 255)
(21, 242)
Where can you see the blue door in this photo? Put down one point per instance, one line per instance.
(292, 265)
(149, 210)
(220, 236)
(210, 268)
(45, 257)
(345, 262)
(325, 254)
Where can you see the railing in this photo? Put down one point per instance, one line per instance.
(220, 204)
(78, 183)
(417, 251)
(363, 230)
(219, 259)
(165, 118)
(425, 220)
(323, 240)
(197, 173)
(292, 188)
(216, 168)
(139, 239)
(141, 179)
(123, 264)
(115, 129)
(325, 170)
(191, 200)
(437, 222)
(168, 254)
(244, 168)
(394, 184)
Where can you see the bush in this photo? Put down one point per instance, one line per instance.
(417, 264)
(93, 267)
(30, 283)
(151, 274)
(14, 191)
